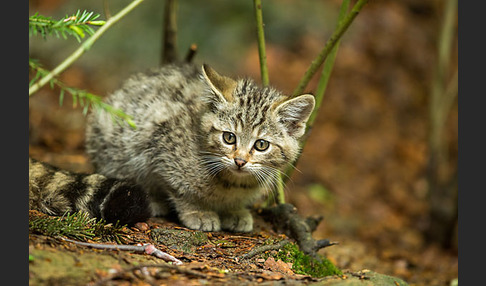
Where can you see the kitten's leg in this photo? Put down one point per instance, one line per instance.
(200, 220)
(237, 221)
(194, 217)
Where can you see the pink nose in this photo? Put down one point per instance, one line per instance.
(240, 162)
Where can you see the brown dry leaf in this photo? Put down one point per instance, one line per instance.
(278, 266)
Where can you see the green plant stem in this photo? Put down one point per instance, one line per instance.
(257, 5)
(322, 85)
(441, 101)
(321, 57)
(83, 48)
(106, 9)
(442, 193)
(261, 42)
(327, 69)
(169, 43)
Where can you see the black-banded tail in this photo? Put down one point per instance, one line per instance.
(54, 191)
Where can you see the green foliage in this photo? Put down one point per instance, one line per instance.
(76, 25)
(78, 226)
(305, 264)
(83, 98)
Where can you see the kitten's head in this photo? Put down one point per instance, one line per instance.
(252, 132)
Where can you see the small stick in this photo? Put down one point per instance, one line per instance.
(191, 53)
(147, 248)
(264, 248)
(324, 243)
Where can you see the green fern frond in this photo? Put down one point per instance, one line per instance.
(76, 25)
(83, 98)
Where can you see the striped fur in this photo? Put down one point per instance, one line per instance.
(54, 192)
(178, 153)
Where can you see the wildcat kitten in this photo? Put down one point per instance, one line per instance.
(54, 191)
(205, 145)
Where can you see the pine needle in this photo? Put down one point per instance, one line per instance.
(76, 25)
(83, 98)
(78, 226)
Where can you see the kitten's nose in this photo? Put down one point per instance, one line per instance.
(240, 162)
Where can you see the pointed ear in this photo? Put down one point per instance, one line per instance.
(294, 113)
(222, 86)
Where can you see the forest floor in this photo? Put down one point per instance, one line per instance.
(217, 260)
(209, 258)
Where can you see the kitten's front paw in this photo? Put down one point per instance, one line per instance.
(201, 220)
(240, 221)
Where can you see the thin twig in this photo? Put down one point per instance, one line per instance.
(321, 57)
(145, 248)
(321, 243)
(322, 85)
(191, 53)
(261, 42)
(83, 48)
(169, 51)
(326, 70)
(263, 248)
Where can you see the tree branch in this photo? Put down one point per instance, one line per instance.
(83, 48)
(284, 217)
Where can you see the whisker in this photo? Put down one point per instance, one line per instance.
(295, 168)
(213, 162)
(268, 177)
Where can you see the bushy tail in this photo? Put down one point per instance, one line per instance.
(54, 191)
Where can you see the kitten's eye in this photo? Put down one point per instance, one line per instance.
(261, 145)
(229, 138)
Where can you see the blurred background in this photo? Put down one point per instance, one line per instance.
(381, 161)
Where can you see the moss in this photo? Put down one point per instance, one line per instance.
(305, 264)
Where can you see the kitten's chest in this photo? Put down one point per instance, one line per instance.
(227, 196)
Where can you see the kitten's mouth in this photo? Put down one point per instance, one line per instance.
(239, 172)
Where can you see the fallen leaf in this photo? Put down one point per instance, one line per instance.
(278, 266)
